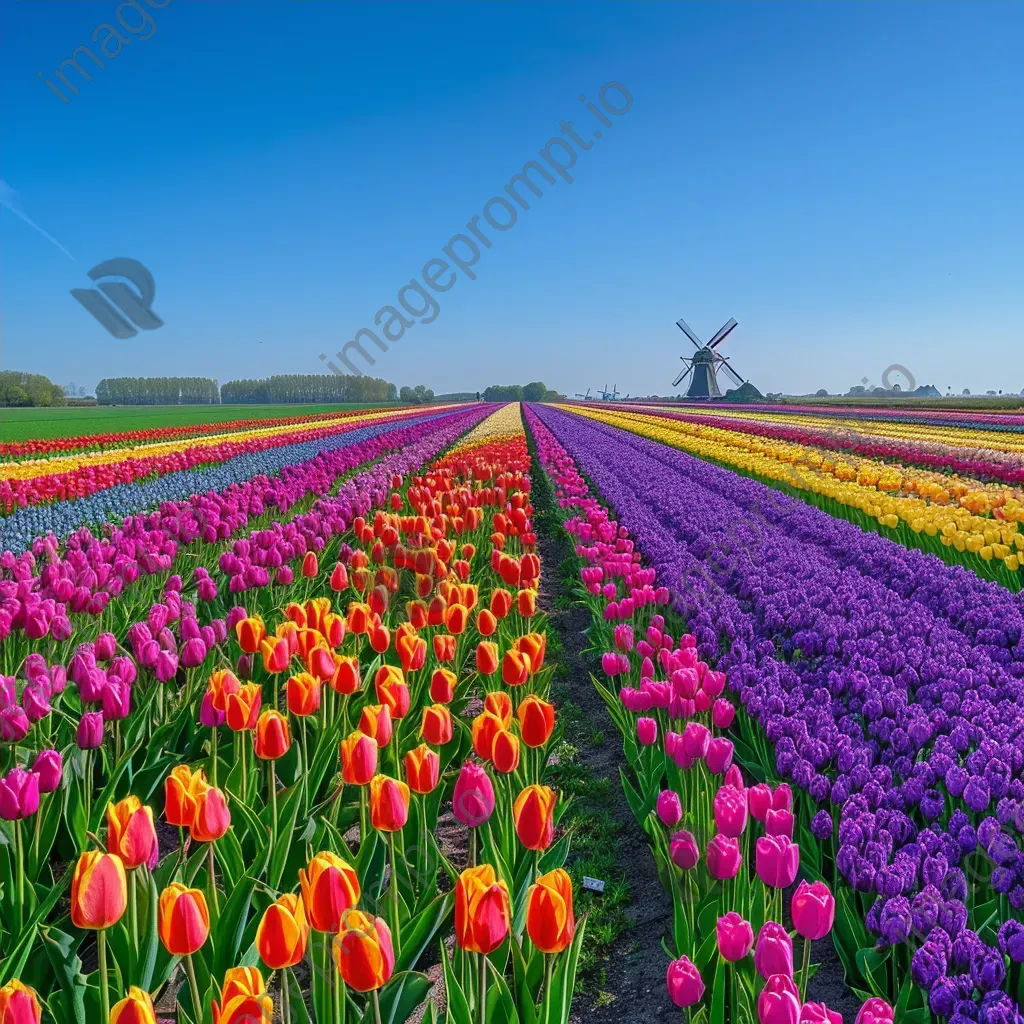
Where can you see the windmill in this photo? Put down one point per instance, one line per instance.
(705, 363)
(586, 397)
(609, 396)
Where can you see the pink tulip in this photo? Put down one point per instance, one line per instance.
(759, 798)
(734, 777)
(684, 851)
(719, 756)
(813, 910)
(473, 797)
(730, 809)
(782, 798)
(670, 807)
(696, 738)
(723, 713)
(685, 985)
(735, 937)
(876, 1011)
(90, 730)
(49, 766)
(773, 952)
(779, 823)
(777, 861)
(819, 1013)
(723, 857)
(779, 1001)
(646, 731)
(19, 794)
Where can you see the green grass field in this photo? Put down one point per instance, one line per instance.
(42, 424)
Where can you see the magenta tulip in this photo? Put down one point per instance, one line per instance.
(779, 823)
(696, 738)
(813, 910)
(722, 713)
(719, 756)
(779, 1001)
(685, 985)
(19, 794)
(473, 797)
(647, 731)
(670, 808)
(777, 861)
(49, 766)
(759, 798)
(819, 1013)
(684, 851)
(90, 730)
(735, 937)
(773, 951)
(730, 811)
(875, 1011)
(723, 857)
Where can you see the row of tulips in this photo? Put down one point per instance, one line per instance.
(991, 546)
(915, 849)
(951, 454)
(41, 447)
(306, 798)
(81, 475)
(209, 493)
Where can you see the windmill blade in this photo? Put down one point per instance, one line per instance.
(722, 333)
(685, 328)
(724, 365)
(686, 373)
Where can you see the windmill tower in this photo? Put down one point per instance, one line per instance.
(705, 363)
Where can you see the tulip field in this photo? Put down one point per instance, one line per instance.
(278, 736)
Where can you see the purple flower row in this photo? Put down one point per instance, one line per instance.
(887, 681)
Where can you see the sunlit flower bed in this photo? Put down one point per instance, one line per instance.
(299, 748)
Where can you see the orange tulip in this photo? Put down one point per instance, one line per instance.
(310, 565)
(501, 603)
(505, 751)
(283, 932)
(442, 685)
(358, 617)
(485, 727)
(180, 789)
(302, 692)
(417, 613)
(250, 633)
(131, 833)
(346, 678)
(468, 551)
(276, 654)
(455, 619)
(183, 919)
(534, 645)
(289, 633)
(392, 690)
(486, 657)
(412, 650)
(380, 637)
(526, 602)
(482, 910)
(19, 1004)
(273, 736)
(422, 769)
(444, 647)
(389, 804)
(363, 951)
(534, 814)
(244, 999)
(468, 594)
(549, 917)
(339, 577)
(358, 759)
(136, 1008)
(212, 818)
(486, 623)
(219, 685)
(330, 886)
(99, 891)
(375, 721)
(437, 610)
(437, 725)
(536, 720)
(499, 703)
(243, 707)
(333, 629)
(515, 668)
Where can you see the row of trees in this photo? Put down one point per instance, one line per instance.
(536, 391)
(417, 395)
(26, 389)
(157, 391)
(308, 388)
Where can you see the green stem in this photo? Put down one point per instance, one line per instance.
(805, 970)
(472, 847)
(214, 901)
(272, 784)
(101, 943)
(304, 767)
(193, 986)
(19, 844)
(38, 833)
(376, 1007)
(244, 736)
(549, 970)
(393, 893)
(483, 989)
(286, 999)
(364, 817)
(134, 910)
(213, 757)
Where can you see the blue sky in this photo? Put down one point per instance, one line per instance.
(844, 179)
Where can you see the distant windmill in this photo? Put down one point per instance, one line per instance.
(705, 363)
(586, 397)
(609, 396)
